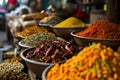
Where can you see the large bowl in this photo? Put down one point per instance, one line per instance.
(34, 66)
(85, 41)
(65, 32)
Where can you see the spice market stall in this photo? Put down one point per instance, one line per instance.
(57, 48)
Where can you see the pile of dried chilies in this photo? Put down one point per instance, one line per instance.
(53, 51)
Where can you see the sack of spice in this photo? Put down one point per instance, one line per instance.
(28, 17)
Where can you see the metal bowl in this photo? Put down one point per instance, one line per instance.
(85, 41)
(65, 32)
(34, 66)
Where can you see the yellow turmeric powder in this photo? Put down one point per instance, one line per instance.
(96, 62)
(71, 22)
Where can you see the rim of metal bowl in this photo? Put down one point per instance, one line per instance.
(43, 24)
(22, 45)
(67, 27)
(44, 74)
(32, 61)
(73, 34)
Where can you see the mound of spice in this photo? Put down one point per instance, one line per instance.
(15, 76)
(71, 22)
(96, 62)
(38, 38)
(101, 29)
(12, 70)
(53, 51)
(40, 15)
(51, 20)
(8, 67)
(32, 30)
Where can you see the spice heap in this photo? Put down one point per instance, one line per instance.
(15, 76)
(11, 71)
(37, 38)
(101, 29)
(40, 15)
(32, 30)
(96, 62)
(53, 51)
(8, 67)
(71, 22)
(52, 20)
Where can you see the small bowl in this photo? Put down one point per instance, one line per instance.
(85, 41)
(65, 32)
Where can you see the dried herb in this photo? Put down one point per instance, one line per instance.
(37, 38)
